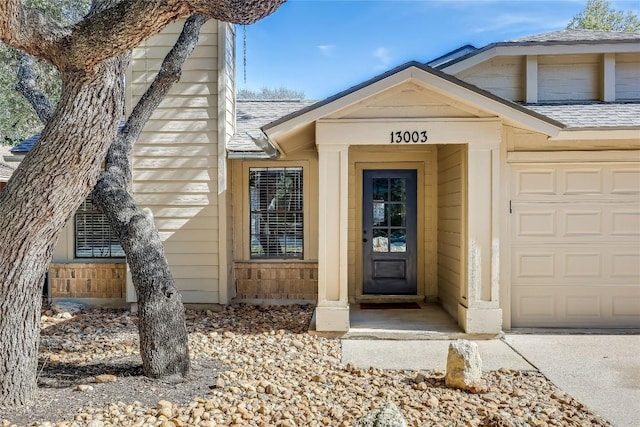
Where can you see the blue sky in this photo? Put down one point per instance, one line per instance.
(325, 46)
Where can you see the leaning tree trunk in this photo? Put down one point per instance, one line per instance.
(37, 203)
(163, 334)
(162, 330)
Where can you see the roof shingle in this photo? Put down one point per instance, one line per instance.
(592, 115)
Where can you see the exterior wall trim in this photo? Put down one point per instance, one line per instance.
(573, 156)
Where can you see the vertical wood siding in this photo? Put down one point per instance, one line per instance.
(450, 230)
(628, 76)
(175, 161)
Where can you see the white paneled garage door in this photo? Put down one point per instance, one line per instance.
(575, 245)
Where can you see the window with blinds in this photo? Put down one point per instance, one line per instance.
(93, 235)
(276, 212)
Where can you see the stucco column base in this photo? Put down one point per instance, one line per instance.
(332, 319)
(480, 320)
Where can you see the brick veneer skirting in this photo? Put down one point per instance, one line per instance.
(276, 280)
(81, 280)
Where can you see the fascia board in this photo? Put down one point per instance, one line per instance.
(597, 134)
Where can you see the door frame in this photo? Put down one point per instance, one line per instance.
(420, 226)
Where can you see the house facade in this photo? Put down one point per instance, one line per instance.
(501, 182)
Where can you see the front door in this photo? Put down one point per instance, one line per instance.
(389, 242)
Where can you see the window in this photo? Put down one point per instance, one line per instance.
(94, 238)
(276, 212)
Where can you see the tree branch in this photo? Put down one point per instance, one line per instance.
(27, 87)
(122, 27)
(29, 30)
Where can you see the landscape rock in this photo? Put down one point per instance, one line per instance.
(106, 378)
(497, 420)
(387, 415)
(464, 366)
(260, 378)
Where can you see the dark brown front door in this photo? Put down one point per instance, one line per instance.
(389, 240)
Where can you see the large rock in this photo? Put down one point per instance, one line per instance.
(387, 415)
(464, 366)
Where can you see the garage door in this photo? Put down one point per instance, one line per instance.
(575, 236)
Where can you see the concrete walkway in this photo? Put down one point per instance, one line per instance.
(601, 371)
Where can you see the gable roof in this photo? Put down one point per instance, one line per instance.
(414, 70)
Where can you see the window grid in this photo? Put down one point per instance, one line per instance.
(276, 212)
(93, 235)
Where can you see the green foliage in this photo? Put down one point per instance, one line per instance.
(599, 15)
(17, 118)
(267, 93)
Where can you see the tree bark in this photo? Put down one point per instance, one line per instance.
(163, 334)
(63, 167)
(48, 186)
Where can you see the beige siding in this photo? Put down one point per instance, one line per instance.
(502, 76)
(451, 214)
(407, 101)
(569, 78)
(524, 140)
(175, 161)
(628, 76)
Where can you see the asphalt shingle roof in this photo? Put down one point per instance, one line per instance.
(26, 145)
(577, 36)
(252, 115)
(591, 115)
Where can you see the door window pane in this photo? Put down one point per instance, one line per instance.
(398, 190)
(399, 241)
(398, 215)
(380, 241)
(381, 189)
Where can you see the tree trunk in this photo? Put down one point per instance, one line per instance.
(163, 335)
(37, 203)
(57, 175)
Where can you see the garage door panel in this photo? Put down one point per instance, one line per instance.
(624, 181)
(575, 245)
(561, 306)
(582, 182)
(571, 182)
(575, 264)
(573, 222)
(625, 223)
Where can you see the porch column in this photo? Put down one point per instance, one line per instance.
(480, 312)
(332, 313)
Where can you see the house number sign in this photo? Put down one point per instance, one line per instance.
(408, 137)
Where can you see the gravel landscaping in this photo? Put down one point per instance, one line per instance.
(258, 366)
